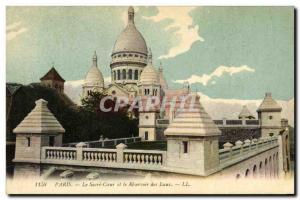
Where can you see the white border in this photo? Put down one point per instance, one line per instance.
(5, 3)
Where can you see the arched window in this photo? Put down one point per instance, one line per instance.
(247, 173)
(130, 74)
(254, 171)
(119, 75)
(136, 75)
(145, 92)
(124, 74)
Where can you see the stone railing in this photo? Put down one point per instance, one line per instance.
(106, 142)
(242, 150)
(61, 153)
(237, 122)
(100, 157)
(140, 157)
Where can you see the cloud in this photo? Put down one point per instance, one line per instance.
(13, 30)
(186, 32)
(217, 73)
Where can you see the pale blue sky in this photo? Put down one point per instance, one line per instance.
(260, 38)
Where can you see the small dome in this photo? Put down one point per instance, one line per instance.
(94, 76)
(130, 39)
(149, 75)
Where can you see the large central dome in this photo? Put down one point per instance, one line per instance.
(130, 40)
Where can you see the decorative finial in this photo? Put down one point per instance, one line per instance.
(95, 59)
(131, 15)
(150, 56)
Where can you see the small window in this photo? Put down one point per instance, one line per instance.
(113, 92)
(270, 117)
(51, 141)
(28, 141)
(271, 134)
(185, 147)
(146, 135)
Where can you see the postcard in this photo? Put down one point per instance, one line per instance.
(150, 100)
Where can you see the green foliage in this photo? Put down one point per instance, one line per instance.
(81, 123)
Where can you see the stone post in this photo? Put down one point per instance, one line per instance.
(243, 121)
(228, 145)
(239, 143)
(247, 143)
(224, 121)
(120, 152)
(254, 141)
(79, 148)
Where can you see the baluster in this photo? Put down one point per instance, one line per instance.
(151, 161)
(146, 160)
(159, 159)
(126, 158)
(99, 156)
(65, 157)
(114, 157)
(61, 154)
(155, 159)
(85, 156)
(110, 156)
(130, 158)
(74, 155)
(48, 154)
(138, 158)
(106, 156)
(51, 154)
(134, 158)
(142, 156)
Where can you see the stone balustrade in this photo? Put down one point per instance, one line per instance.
(61, 153)
(140, 157)
(101, 157)
(237, 122)
(242, 150)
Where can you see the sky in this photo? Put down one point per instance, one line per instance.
(223, 52)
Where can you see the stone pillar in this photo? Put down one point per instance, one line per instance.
(120, 154)
(79, 148)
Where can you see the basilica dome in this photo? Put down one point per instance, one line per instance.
(130, 40)
(94, 75)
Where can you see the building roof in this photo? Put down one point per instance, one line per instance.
(94, 76)
(245, 113)
(40, 120)
(192, 121)
(130, 40)
(13, 88)
(52, 74)
(269, 104)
